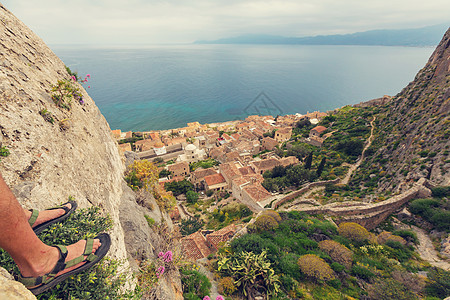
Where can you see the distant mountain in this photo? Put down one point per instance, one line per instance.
(425, 36)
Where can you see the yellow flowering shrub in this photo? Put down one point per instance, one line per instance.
(354, 232)
(315, 267)
(339, 253)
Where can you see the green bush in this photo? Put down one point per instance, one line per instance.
(362, 272)
(422, 207)
(191, 197)
(337, 267)
(179, 187)
(336, 283)
(190, 225)
(408, 235)
(441, 220)
(388, 288)
(438, 283)
(4, 152)
(441, 191)
(288, 266)
(195, 284)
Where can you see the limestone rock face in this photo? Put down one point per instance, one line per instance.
(75, 156)
(47, 164)
(13, 290)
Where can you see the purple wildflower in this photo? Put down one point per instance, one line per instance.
(160, 271)
(81, 101)
(168, 256)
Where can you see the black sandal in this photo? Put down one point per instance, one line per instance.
(38, 285)
(35, 213)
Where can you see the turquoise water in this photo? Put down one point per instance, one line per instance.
(161, 87)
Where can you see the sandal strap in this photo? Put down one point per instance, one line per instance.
(87, 251)
(34, 216)
(62, 206)
(60, 265)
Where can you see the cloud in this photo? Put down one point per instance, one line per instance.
(172, 21)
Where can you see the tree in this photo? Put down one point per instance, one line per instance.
(308, 161)
(179, 187)
(321, 166)
(191, 197)
(190, 225)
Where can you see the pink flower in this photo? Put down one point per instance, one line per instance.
(168, 256)
(74, 78)
(161, 254)
(89, 86)
(220, 298)
(160, 271)
(206, 298)
(88, 75)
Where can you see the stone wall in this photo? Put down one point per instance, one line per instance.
(369, 215)
(304, 189)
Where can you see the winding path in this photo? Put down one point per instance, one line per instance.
(426, 250)
(349, 174)
(360, 160)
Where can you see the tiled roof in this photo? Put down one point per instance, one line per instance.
(257, 192)
(201, 173)
(178, 167)
(246, 170)
(221, 235)
(229, 170)
(319, 129)
(232, 156)
(284, 130)
(125, 147)
(195, 246)
(214, 179)
(290, 160)
(266, 164)
(116, 133)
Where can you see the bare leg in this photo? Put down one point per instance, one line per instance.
(33, 257)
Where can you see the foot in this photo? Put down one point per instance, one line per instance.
(47, 215)
(52, 255)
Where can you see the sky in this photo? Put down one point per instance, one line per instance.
(116, 22)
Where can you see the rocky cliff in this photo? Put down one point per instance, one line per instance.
(73, 156)
(413, 133)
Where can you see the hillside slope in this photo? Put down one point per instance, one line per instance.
(73, 156)
(413, 130)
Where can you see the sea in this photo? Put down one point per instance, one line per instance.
(157, 87)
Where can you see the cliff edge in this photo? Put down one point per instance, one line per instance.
(73, 156)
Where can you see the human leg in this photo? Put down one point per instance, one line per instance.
(32, 256)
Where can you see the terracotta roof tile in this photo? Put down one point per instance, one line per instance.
(257, 192)
(214, 179)
(195, 246)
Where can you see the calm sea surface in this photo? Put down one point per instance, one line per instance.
(162, 87)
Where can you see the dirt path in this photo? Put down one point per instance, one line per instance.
(360, 160)
(426, 250)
